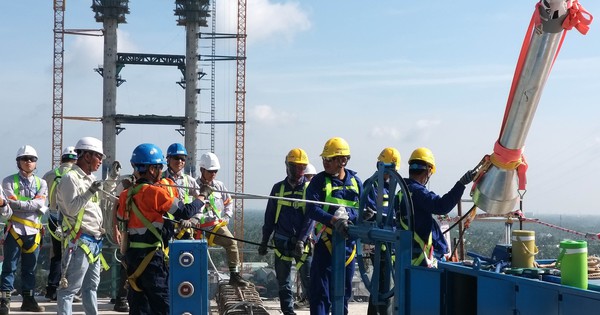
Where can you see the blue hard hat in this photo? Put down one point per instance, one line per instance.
(147, 154)
(176, 149)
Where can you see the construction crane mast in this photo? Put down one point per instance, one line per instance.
(57, 90)
(240, 117)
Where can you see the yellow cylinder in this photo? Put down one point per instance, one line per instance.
(523, 248)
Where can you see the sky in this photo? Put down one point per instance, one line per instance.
(378, 73)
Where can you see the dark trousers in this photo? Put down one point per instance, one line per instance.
(320, 280)
(154, 298)
(55, 256)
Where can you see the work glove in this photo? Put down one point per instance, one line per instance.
(186, 224)
(299, 249)
(115, 170)
(262, 249)
(368, 214)
(95, 186)
(467, 178)
(341, 225)
(341, 213)
(205, 191)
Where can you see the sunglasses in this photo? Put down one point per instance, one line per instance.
(212, 171)
(339, 158)
(178, 158)
(28, 158)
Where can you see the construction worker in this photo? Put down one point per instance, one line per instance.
(310, 172)
(78, 201)
(391, 156)
(216, 215)
(52, 178)
(285, 220)
(26, 195)
(429, 244)
(140, 219)
(176, 156)
(338, 185)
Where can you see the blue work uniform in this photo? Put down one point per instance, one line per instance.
(325, 187)
(285, 220)
(427, 203)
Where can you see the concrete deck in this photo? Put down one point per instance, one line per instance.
(106, 308)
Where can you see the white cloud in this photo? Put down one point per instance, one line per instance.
(385, 132)
(267, 115)
(266, 20)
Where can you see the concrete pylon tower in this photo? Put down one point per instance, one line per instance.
(110, 13)
(192, 14)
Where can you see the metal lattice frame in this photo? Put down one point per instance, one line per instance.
(240, 117)
(57, 91)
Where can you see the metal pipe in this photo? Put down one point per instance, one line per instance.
(497, 191)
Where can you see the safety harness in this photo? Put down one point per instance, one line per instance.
(326, 232)
(425, 249)
(73, 234)
(33, 224)
(57, 177)
(298, 205)
(215, 224)
(158, 245)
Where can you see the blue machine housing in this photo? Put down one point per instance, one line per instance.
(188, 277)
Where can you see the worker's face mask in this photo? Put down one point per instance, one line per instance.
(295, 171)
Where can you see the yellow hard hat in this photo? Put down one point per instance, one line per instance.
(336, 146)
(425, 155)
(297, 156)
(390, 156)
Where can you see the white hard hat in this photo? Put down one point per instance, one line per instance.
(209, 162)
(310, 170)
(26, 150)
(69, 152)
(89, 144)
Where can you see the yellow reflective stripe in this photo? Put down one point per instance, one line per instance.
(144, 245)
(26, 222)
(36, 242)
(211, 238)
(281, 256)
(288, 203)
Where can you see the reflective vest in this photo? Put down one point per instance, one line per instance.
(425, 248)
(326, 232)
(57, 177)
(73, 234)
(296, 205)
(13, 218)
(186, 198)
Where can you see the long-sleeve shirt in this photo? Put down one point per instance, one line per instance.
(5, 211)
(52, 178)
(348, 188)
(285, 218)
(184, 180)
(73, 195)
(26, 195)
(223, 200)
(427, 203)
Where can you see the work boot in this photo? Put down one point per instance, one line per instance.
(30, 304)
(50, 293)
(121, 305)
(4, 302)
(235, 279)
